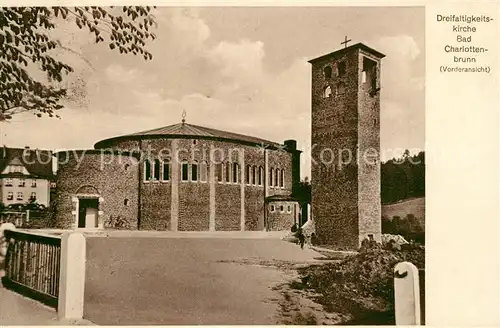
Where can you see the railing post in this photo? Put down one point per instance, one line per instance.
(4, 245)
(72, 276)
(406, 294)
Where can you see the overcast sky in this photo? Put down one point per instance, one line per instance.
(238, 69)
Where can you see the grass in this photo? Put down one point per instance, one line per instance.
(415, 206)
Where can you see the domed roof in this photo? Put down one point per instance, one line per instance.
(185, 130)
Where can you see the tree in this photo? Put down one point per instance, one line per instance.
(25, 44)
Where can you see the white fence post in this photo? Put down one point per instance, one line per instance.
(4, 245)
(406, 294)
(72, 276)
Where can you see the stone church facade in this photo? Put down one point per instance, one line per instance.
(345, 179)
(181, 177)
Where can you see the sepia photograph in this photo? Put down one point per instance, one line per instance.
(205, 165)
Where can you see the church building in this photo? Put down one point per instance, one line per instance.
(181, 177)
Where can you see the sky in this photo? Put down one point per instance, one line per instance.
(242, 69)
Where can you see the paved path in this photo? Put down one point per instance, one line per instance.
(185, 280)
(16, 309)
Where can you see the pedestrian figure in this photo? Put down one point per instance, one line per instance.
(294, 227)
(300, 236)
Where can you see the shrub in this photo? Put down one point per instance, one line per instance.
(361, 286)
(410, 227)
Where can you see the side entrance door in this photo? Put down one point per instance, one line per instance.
(88, 213)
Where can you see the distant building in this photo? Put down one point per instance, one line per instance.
(26, 176)
(181, 177)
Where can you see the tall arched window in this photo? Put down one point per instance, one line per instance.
(271, 175)
(157, 170)
(327, 92)
(247, 174)
(261, 175)
(194, 171)
(166, 171)
(147, 170)
(254, 175)
(236, 171)
(328, 72)
(276, 177)
(228, 172)
(203, 172)
(185, 171)
(282, 178)
(218, 172)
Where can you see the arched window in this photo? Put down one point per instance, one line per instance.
(203, 172)
(185, 172)
(340, 88)
(194, 171)
(327, 92)
(218, 172)
(228, 172)
(328, 72)
(282, 178)
(147, 170)
(341, 68)
(247, 174)
(157, 170)
(236, 170)
(254, 175)
(276, 177)
(271, 174)
(126, 202)
(166, 171)
(261, 175)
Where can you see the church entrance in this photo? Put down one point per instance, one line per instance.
(88, 213)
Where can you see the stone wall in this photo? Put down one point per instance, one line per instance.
(281, 215)
(334, 129)
(210, 204)
(113, 177)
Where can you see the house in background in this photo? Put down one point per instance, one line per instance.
(25, 176)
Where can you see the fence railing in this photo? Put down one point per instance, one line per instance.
(32, 265)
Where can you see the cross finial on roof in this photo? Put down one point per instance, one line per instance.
(183, 116)
(345, 42)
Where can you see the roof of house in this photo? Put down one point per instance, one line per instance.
(37, 162)
(343, 50)
(185, 130)
(281, 198)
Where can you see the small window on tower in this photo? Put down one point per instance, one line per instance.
(341, 68)
(370, 73)
(327, 92)
(340, 88)
(328, 72)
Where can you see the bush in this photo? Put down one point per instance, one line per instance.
(410, 227)
(361, 286)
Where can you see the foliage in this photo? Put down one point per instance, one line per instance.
(25, 44)
(361, 286)
(410, 227)
(303, 192)
(403, 178)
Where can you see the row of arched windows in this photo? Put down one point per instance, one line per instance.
(224, 173)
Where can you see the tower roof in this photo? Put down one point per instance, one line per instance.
(348, 49)
(185, 130)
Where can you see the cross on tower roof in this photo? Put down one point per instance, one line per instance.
(183, 116)
(345, 41)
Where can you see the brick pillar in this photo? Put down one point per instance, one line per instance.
(174, 199)
(241, 156)
(211, 181)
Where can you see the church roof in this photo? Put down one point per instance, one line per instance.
(350, 48)
(185, 130)
(37, 162)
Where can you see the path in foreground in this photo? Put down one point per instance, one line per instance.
(140, 281)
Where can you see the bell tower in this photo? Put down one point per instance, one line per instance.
(346, 204)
